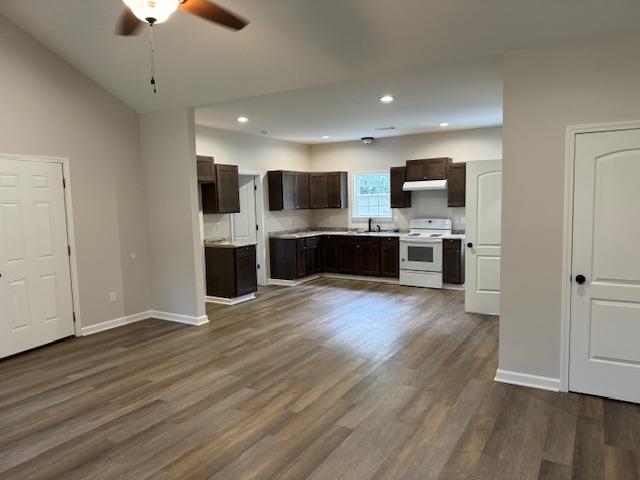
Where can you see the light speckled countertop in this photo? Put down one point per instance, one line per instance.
(223, 243)
(315, 233)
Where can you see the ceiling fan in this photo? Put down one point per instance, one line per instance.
(152, 12)
(139, 12)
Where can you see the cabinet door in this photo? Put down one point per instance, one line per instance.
(389, 257)
(437, 168)
(452, 261)
(283, 258)
(301, 258)
(456, 184)
(206, 169)
(246, 276)
(209, 198)
(337, 185)
(330, 254)
(368, 257)
(318, 190)
(302, 190)
(416, 170)
(289, 190)
(228, 189)
(347, 255)
(399, 198)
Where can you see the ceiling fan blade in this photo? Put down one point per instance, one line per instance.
(128, 23)
(213, 13)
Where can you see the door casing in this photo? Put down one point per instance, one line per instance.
(71, 237)
(567, 249)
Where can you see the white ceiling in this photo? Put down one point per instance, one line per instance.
(294, 44)
(465, 95)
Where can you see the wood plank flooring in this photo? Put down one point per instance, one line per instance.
(334, 379)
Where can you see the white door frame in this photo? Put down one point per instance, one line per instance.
(567, 250)
(71, 237)
(262, 236)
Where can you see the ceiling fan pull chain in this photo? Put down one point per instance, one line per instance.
(153, 62)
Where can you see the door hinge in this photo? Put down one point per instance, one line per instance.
(258, 266)
(255, 187)
(257, 228)
(74, 317)
(64, 183)
(69, 249)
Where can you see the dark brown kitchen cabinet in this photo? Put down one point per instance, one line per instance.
(283, 258)
(452, 261)
(427, 169)
(328, 189)
(330, 253)
(288, 190)
(399, 198)
(313, 255)
(301, 258)
(206, 169)
(389, 257)
(368, 256)
(456, 184)
(347, 247)
(223, 196)
(230, 272)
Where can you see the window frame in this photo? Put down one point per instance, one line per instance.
(355, 196)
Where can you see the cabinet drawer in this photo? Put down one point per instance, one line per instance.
(312, 241)
(389, 241)
(247, 251)
(451, 243)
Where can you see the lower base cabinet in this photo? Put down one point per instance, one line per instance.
(452, 261)
(292, 259)
(230, 272)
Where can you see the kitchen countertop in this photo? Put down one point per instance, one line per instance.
(226, 244)
(315, 233)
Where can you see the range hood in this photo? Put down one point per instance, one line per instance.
(424, 185)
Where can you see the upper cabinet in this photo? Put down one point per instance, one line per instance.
(302, 190)
(206, 169)
(288, 190)
(399, 198)
(456, 184)
(328, 190)
(222, 195)
(427, 169)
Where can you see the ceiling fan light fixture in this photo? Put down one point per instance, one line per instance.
(152, 11)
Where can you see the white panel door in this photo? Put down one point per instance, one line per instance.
(244, 223)
(605, 295)
(35, 282)
(483, 236)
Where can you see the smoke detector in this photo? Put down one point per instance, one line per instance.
(367, 140)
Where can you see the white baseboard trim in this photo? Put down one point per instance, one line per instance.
(231, 301)
(175, 317)
(293, 283)
(528, 380)
(116, 322)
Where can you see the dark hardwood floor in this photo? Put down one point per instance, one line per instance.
(334, 379)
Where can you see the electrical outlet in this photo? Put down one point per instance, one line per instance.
(113, 297)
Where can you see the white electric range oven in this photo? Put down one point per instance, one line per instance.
(421, 252)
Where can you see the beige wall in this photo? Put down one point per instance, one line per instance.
(462, 146)
(545, 90)
(168, 153)
(49, 108)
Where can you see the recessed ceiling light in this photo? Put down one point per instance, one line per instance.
(243, 119)
(444, 124)
(387, 98)
(325, 136)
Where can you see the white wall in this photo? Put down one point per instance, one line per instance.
(546, 89)
(461, 146)
(49, 108)
(253, 154)
(168, 154)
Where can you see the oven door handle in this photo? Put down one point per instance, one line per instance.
(424, 242)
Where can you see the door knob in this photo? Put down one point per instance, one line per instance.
(470, 245)
(581, 279)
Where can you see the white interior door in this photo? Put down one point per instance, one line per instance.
(605, 308)
(244, 223)
(35, 286)
(483, 237)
